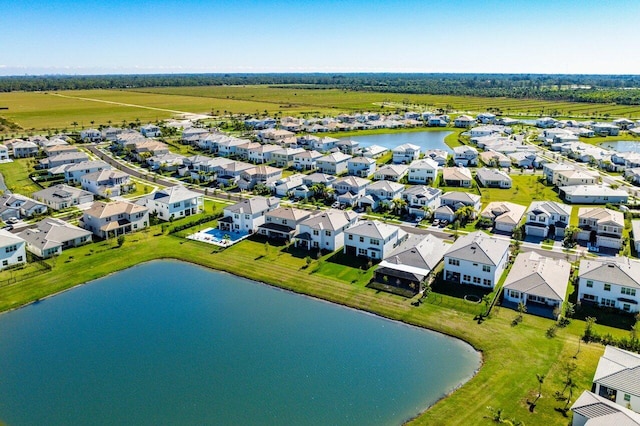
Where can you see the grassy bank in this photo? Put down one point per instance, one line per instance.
(512, 355)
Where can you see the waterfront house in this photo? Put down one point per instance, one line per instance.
(464, 121)
(374, 151)
(547, 219)
(611, 282)
(361, 166)
(593, 409)
(423, 171)
(493, 178)
(333, 164)
(605, 129)
(538, 282)
(51, 236)
(486, 118)
(411, 264)
(247, 215)
(109, 220)
(325, 231)
(372, 239)
(391, 172)
(504, 215)
(174, 202)
(546, 122)
(601, 226)
(62, 196)
(593, 194)
(617, 378)
(457, 176)
(282, 222)
(12, 250)
(477, 259)
(406, 153)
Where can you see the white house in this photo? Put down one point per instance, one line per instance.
(547, 218)
(19, 206)
(381, 192)
(593, 194)
(611, 282)
(486, 118)
(150, 131)
(107, 183)
(174, 202)
(635, 230)
(493, 178)
(421, 199)
(51, 236)
(333, 164)
(70, 157)
(464, 121)
(440, 156)
(285, 156)
(361, 166)
(350, 189)
(476, 258)
(601, 226)
(391, 172)
(573, 177)
(107, 220)
(405, 153)
(372, 239)
(457, 199)
(505, 215)
(537, 280)
(73, 173)
(465, 155)
(12, 250)
(23, 149)
(247, 215)
(423, 171)
(62, 196)
(617, 378)
(325, 231)
(262, 154)
(257, 175)
(546, 122)
(593, 409)
(457, 176)
(4, 153)
(306, 160)
(91, 135)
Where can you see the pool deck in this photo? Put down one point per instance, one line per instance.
(204, 237)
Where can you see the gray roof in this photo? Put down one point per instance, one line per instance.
(422, 190)
(61, 192)
(418, 251)
(593, 190)
(492, 174)
(373, 229)
(618, 270)
(52, 232)
(539, 276)
(331, 219)
(253, 205)
(601, 411)
(173, 194)
(619, 369)
(550, 207)
(460, 197)
(504, 212)
(289, 213)
(385, 185)
(7, 238)
(95, 164)
(479, 247)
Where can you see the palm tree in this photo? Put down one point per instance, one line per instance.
(428, 211)
(465, 213)
(74, 124)
(540, 378)
(399, 205)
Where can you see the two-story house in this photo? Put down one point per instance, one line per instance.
(547, 219)
(73, 173)
(406, 153)
(617, 377)
(379, 193)
(611, 283)
(306, 160)
(282, 222)
(12, 250)
(285, 156)
(325, 231)
(174, 202)
(465, 155)
(262, 154)
(261, 174)
(421, 200)
(150, 131)
(423, 171)
(350, 189)
(333, 164)
(372, 239)
(247, 215)
(601, 226)
(109, 220)
(361, 166)
(477, 259)
(107, 183)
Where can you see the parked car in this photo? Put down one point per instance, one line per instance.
(12, 220)
(335, 205)
(7, 227)
(444, 223)
(436, 222)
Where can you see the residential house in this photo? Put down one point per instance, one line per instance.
(605, 129)
(538, 281)
(333, 164)
(477, 259)
(350, 189)
(601, 226)
(166, 162)
(372, 239)
(150, 131)
(229, 173)
(324, 144)
(109, 220)
(488, 130)
(381, 192)
(320, 179)
(53, 150)
(440, 156)
(421, 200)
(574, 177)
(465, 155)
(4, 153)
(486, 118)
(284, 157)
(258, 175)
(593, 194)
(348, 146)
(493, 178)
(145, 148)
(73, 173)
(361, 166)
(62, 196)
(91, 135)
(325, 231)
(457, 176)
(423, 171)
(19, 206)
(504, 215)
(23, 149)
(464, 121)
(174, 202)
(111, 133)
(306, 160)
(247, 215)
(551, 169)
(282, 222)
(410, 264)
(494, 159)
(617, 378)
(285, 186)
(51, 236)
(635, 231)
(453, 201)
(276, 136)
(593, 409)
(391, 172)
(406, 153)
(526, 159)
(611, 282)
(373, 151)
(12, 250)
(547, 219)
(624, 123)
(107, 183)
(228, 146)
(73, 157)
(242, 151)
(546, 122)
(262, 154)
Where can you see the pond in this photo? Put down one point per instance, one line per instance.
(425, 140)
(172, 343)
(622, 146)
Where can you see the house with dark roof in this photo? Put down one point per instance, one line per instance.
(617, 377)
(547, 218)
(421, 199)
(601, 226)
(476, 258)
(410, 264)
(611, 282)
(19, 206)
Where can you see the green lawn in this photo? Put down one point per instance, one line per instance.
(511, 355)
(524, 190)
(16, 176)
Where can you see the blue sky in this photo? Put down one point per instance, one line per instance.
(167, 36)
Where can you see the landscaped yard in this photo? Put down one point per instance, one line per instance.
(524, 190)
(16, 176)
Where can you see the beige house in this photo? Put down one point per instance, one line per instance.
(108, 220)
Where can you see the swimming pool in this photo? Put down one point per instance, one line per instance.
(218, 237)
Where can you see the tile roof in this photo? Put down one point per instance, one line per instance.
(479, 247)
(539, 276)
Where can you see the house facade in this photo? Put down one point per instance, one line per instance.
(617, 378)
(325, 231)
(51, 236)
(406, 153)
(174, 202)
(12, 250)
(73, 173)
(107, 183)
(601, 226)
(611, 283)
(62, 196)
(282, 222)
(109, 220)
(505, 215)
(421, 200)
(333, 164)
(372, 239)
(457, 176)
(493, 178)
(547, 218)
(361, 166)
(247, 215)
(424, 171)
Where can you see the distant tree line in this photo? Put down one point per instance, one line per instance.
(620, 89)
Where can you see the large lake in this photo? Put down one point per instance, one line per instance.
(172, 343)
(622, 146)
(425, 140)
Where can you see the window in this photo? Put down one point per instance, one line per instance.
(607, 287)
(590, 284)
(5, 262)
(466, 278)
(486, 282)
(454, 262)
(316, 232)
(627, 397)
(515, 294)
(608, 303)
(284, 221)
(626, 307)
(350, 237)
(375, 242)
(362, 239)
(476, 280)
(362, 252)
(327, 233)
(19, 258)
(590, 297)
(176, 205)
(246, 216)
(628, 291)
(486, 268)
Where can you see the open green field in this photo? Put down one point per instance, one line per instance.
(524, 189)
(512, 355)
(41, 111)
